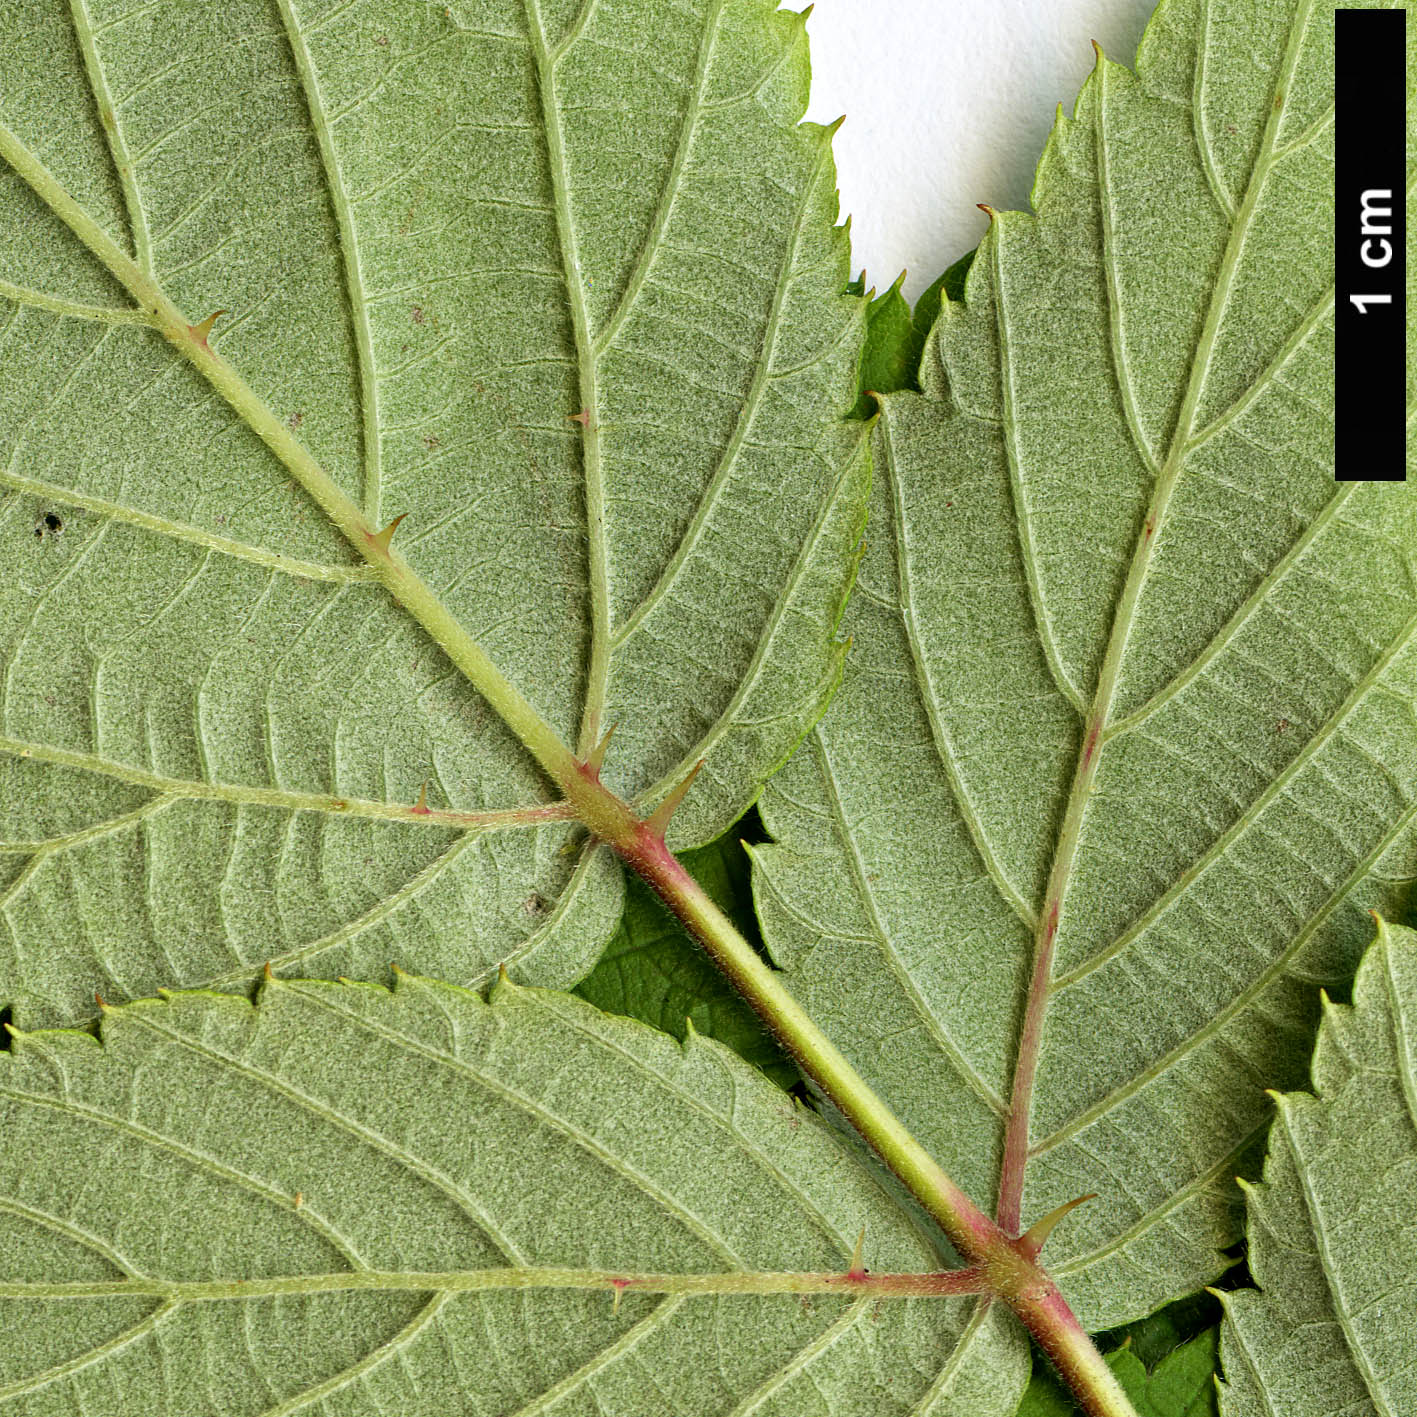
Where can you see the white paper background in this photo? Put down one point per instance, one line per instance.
(948, 103)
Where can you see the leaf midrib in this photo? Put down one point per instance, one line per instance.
(1098, 715)
(1323, 1248)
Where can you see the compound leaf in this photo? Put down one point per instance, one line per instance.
(560, 284)
(1333, 1247)
(1127, 744)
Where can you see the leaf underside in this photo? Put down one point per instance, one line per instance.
(1123, 649)
(561, 281)
(1333, 1246)
(561, 284)
(581, 1141)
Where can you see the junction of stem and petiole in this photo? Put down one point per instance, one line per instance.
(1006, 1266)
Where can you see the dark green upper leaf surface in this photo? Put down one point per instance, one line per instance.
(1123, 649)
(440, 233)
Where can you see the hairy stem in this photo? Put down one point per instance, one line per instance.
(1005, 1265)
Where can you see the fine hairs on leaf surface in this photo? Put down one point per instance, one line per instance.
(1126, 747)
(565, 292)
(1333, 1240)
(524, 423)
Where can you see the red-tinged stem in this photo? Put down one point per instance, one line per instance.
(1006, 1263)
(942, 1284)
(1015, 1162)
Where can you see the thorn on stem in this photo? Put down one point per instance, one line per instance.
(619, 1286)
(1036, 1236)
(583, 418)
(98, 999)
(987, 210)
(381, 539)
(596, 760)
(857, 1270)
(201, 331)
(299, 1199)
(421, 806)
(658, 821)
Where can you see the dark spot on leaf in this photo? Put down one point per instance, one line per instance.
(52, 521)
(535, 904)
(417, 314)
(50, 524)
(6, 1042)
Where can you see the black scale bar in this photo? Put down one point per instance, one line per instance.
(1370, 245)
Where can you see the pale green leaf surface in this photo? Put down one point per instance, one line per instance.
(1123, 647)
(335, 1128)
(439, 232)
(1333, 1228)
